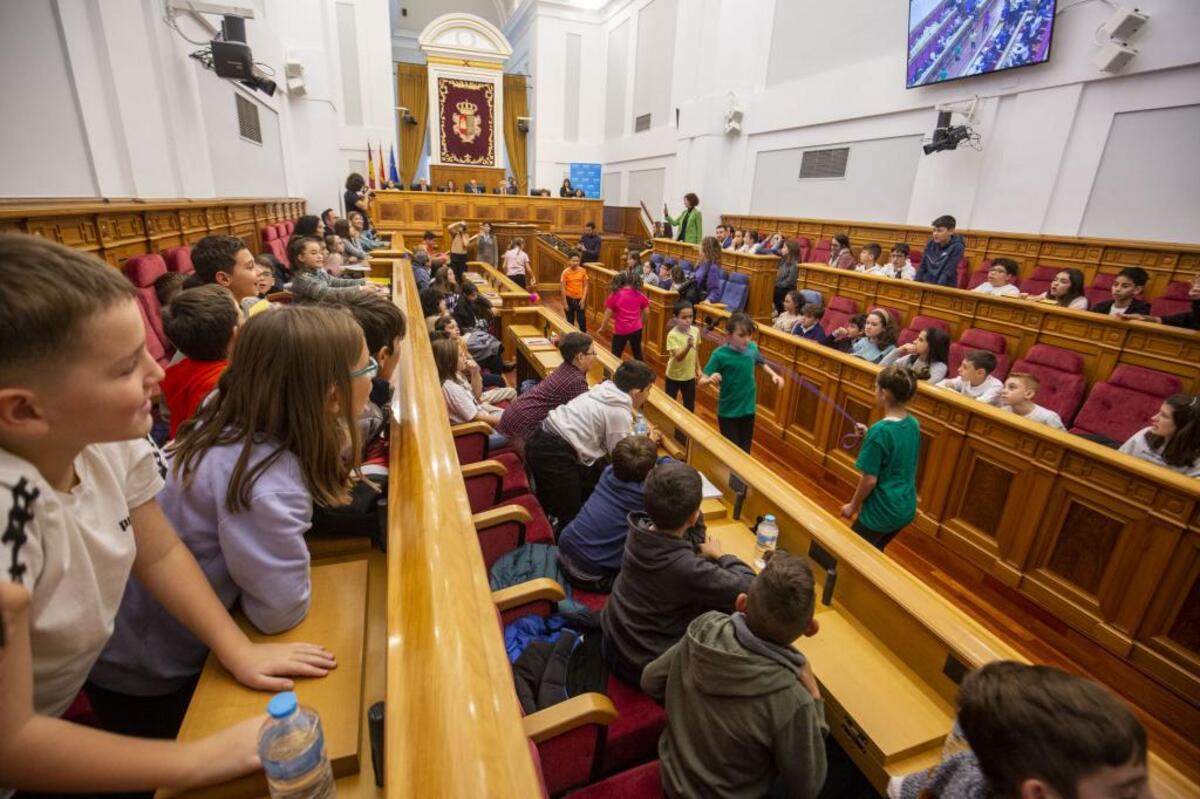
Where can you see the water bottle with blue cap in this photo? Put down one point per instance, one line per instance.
(766, 540)
(291, 746)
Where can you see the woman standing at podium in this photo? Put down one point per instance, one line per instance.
(690, 224)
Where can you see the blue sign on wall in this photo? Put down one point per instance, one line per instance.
(586, 177)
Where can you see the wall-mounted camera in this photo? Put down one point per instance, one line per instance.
(228, 55)
(523, 124)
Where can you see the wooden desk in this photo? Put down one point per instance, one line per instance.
(415, 211)
(337, 620)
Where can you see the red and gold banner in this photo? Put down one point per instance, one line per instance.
(467, 112)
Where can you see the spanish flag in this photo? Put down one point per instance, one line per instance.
(370, 167)
(382, 169)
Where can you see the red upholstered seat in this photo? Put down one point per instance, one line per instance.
(979, 276)
(838, 312)
(1122, 405)
(1173, 301)
(963, 272)
(918, 324)
(1060, 373)
(589, 600)
(805, 249)
(820, 253)
(179, 259)
(914, 257)
(289, 226)
(282, 231)
(472, 447)
(1039, 280)
(1100, 290)
(975, 339)
(142, 271)
(643, 782)
(154, 345)
(268, 233)
(501, 538)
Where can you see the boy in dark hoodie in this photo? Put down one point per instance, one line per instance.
(943, 251)
(744, 713)
(665, 582)
(591, 546)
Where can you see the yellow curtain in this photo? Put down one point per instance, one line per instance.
(516, 104)
(412, 93)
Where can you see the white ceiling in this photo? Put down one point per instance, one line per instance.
(422, 12)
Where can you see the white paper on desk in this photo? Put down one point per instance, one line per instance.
(537, 342)
(707, 489)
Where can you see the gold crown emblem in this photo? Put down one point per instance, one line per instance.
(467, 108)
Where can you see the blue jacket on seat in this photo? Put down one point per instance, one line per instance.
(595, 539)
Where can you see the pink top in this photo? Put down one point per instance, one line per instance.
(516, 262)
(627, 305)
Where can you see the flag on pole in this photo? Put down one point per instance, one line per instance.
(382, 169)
(392, 173)
(370, 167)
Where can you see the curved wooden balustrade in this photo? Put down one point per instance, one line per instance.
(453, 726)
(1165, 261)
(893, 648)
(117, 228)
(416, 211)
(1104, 341)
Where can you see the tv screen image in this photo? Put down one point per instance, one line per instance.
(951, 39)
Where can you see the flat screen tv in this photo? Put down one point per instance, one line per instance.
(952, 39)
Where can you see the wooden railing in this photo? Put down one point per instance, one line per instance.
(1104, 341)
(625, 221)
(414, 212)
(890, 649)
(115, 229)
(1165, 261)
(508, 296)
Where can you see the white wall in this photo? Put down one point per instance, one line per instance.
(122, 111)
(828, 73)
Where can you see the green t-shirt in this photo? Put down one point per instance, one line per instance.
(739, 392)
(685, 368)
(889, 452)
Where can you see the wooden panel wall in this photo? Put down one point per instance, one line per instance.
(488, 177)
(414, 212)
(116, 229)
(1165, 261)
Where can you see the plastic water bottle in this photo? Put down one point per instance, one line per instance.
(291, 746)
(640, 427)
(768, 537)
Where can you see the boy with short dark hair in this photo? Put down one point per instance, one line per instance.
(665, 582)
(1126, 286)
(1017, 397)
(589, 242)
(1000, 279)
(809, 326)
(943, 251)
(868, 259)
(734, 683)
(168, 286)
(1036, 731)
(201, 323)
(79, 482)
(384, 326)
(591, 546)
(574, 280)
(226, 261)
(975, 378)
(566, 453)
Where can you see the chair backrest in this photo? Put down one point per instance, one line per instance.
(179, 259)
(894, 313)
(1035, 285)
(979, 276)
(1060, 373)
(142, 271)
(278, 248)
(656, 258)
(962, 272)
(1123, 404)
(838, 312)
(734, 291)
(1173, 301)
(157, 347)
(289, 226)
(975, 339)
(820, 253)
(914, 256)
(687, 266)
(471, 447)
(483, 491)
(811, 295)
(918, 324)
(269, 233)
(281, 230)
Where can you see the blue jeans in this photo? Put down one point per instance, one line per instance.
(497, 441)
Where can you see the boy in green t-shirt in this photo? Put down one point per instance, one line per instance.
(886, 497)
(731, 369)
(683, 361)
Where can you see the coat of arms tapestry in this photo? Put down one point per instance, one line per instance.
(467, 114)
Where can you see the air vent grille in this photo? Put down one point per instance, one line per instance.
(248, 125)
(829, 163)
(641, 123)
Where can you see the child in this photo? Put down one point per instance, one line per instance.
(899, 266)
(243, 479)
(999, 279)
(430, 245)
(1066, 291)
(224, 260)
(336, 254)
(279, 274)
(664, 581)
(1035, 731)
(561, 386)
(709, 275)
(975, 378)
(809, 325)
(383, 326)
(266, 282)
(420, 266)
(927, 356)
(516, 264)
(943, 251)
(683, 355)
(497, 390)
(840, 256)
(574, 280)
(201, 323)
(731, 369)
(886, 497)
(734, 683)
(461, 404)
(1128, 283)
(648, 275)
(80, 481)
(351, 252)
(628, 308)
(167, 287)
(868, 258)
(843, 338)
(785, 273)
(749, 241)
(1173, 437)
(310, 281)
(878, 339)
(566, 452)
(591, 546)
(1017, 397)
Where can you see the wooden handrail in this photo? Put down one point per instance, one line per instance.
(453, 725)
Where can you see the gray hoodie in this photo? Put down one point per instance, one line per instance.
(594, 422)
(738, 718)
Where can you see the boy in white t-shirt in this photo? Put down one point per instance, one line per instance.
(868, 258)
(899, 266)
(975, 378)
(1017, 396)
(78, 479)
(999, 279)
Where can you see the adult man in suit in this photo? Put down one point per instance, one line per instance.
(510, 185)
(421, 185)
(473, 187)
